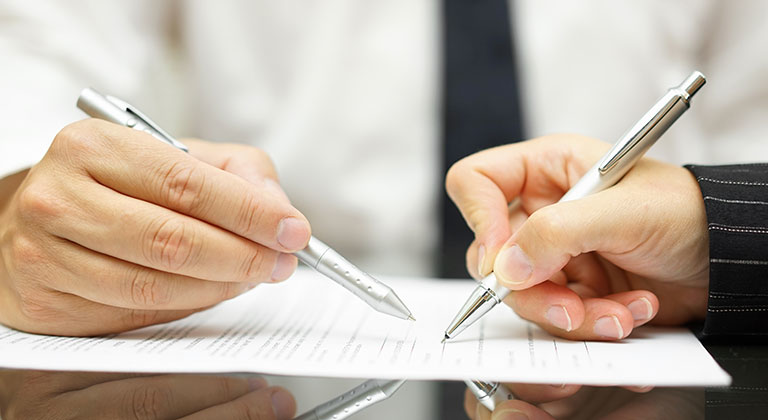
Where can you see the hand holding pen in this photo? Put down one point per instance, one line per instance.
(255, 220)
(591, 268)
(114, 230)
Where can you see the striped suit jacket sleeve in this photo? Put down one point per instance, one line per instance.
(736, 201)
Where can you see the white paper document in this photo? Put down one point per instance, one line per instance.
(309, 326)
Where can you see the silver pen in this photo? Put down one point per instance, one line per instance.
(359, 398)
(489, 394)
(317, 254)
(606, 172)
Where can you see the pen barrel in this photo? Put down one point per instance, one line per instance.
(98, 106)
(632, 145)
(359, 398)
(330, 263)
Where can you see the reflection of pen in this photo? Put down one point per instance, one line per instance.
(363, 396)
(489, 394)
(317, 255)
(606, 172)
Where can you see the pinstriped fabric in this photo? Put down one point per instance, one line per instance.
(736, 201)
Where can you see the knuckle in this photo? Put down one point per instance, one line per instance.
(34, 308)
(243, 410)
(258, 264)
(547, 224)
(259, 157)
(171, 244)
(228, 290)
(225, 388)
(149, 402)
(25, 252)
(182, 185)
(140, 318)
(147, 289)
(78, 138)
(40, 202)
(251, 216)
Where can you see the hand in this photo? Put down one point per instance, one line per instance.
(115, 230)
(540, 402)
(589, 269)
(58, 395)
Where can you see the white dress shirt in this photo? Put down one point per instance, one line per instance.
(344, 94)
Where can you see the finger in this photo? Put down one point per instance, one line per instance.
(587, 276)
(642, 304)
(266, 404)
(518, 410)
(161, 396)
(55, 383)
(561, 312)
(549, 304)
(470, 404)
(541, 393)
(604, 320)
(538, 171)
(640, 389)
(552, 235)
(114, 282)
(147, 169)
(482, 413)
(56, 313)
(142, 233)
(247, 162)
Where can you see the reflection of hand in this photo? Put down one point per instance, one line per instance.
(539, 402)
(614, 260)
(115, 230)
(59, 395)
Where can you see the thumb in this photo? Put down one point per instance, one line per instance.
(552, 235)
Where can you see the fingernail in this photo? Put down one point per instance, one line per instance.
(257, 382)
(558, 316)
(282, 404)
(481, 260)
(509, 415)
(283, 267)
(609, 326)
(513, 267)
(641, 309)
(292, 233)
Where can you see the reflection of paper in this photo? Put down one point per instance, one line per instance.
(309, 326)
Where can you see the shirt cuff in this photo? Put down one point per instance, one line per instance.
(736, 202)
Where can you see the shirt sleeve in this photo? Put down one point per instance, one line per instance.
(736, 202)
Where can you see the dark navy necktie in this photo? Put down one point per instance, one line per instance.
(480, 103)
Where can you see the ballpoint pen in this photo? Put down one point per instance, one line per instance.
(317, 254)
(359, 398)
(489, 394)
(604, 174)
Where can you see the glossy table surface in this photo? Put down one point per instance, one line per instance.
(59, 395)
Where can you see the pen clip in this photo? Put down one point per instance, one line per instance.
(140, 116)
(618, 151)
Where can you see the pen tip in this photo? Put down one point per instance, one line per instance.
(443, 340)
(411, 318)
